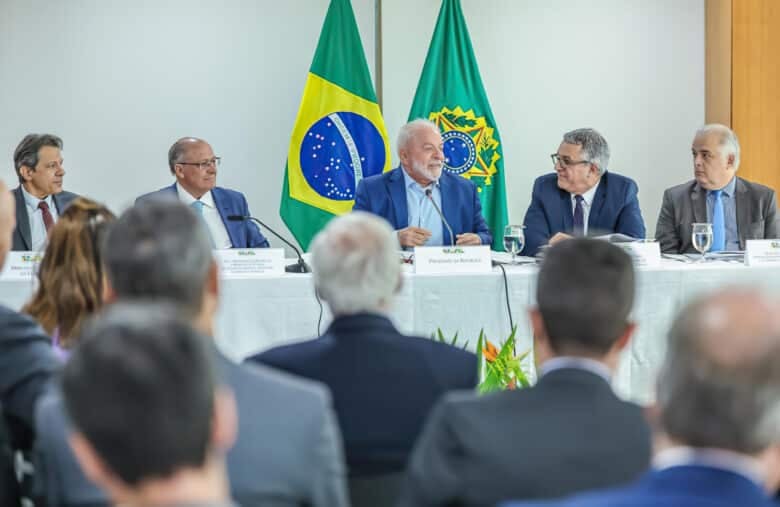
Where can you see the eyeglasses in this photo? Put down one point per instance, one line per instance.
(205, 164)
(565, 161)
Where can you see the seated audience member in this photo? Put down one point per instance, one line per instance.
(149, 423)
(719, 401)
(581, 198)
(288, 451)
(737, 209)
(383, 383)
(70, 277)
(569, 432)
(40, 199)
(406, 195)
(193, 164)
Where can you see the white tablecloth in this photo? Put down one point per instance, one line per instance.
(258, 314)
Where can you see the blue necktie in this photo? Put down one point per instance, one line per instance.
(198, 207)
(579, 224)
(718, 222)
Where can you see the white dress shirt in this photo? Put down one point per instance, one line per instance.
(219, 234)
(38, 234)
(587, 203)
(721, 459)
(580, 363)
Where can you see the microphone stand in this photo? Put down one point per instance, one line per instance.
(298, 267)
(441, 215)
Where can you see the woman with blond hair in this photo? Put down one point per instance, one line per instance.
(70, 277)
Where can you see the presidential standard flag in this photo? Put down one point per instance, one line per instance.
(339, 135)
(450, 94)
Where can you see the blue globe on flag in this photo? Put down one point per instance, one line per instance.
(460, 154)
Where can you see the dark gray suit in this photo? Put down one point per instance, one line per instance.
(687, 203)
(22, 239)
(568, 433)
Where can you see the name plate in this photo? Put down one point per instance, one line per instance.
(762, 252)
(21, 265)
(643, 253)
(250, 262)
(452, 259)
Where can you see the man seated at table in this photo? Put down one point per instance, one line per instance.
(581, 198)
(193, 164)
(408, 196)
(138, 363)
(570, 432)
(719, 402)
(383, 383)
(737, 209)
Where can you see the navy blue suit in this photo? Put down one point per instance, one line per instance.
(615, 209)
(385, 195)
(383, 384)
(680, 486)
(243, 234)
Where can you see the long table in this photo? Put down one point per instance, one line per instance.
(261, 313)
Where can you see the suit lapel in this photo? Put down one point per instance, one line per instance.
(448, 208)
(22, 219)
(699, 203)
(596, 207)
(742, 204)
(397, 193)
(223, 207)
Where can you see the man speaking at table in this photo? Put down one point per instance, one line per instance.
(194, 165)
(425, 205)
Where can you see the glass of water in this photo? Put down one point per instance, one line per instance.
(701, 236)
(514, 240)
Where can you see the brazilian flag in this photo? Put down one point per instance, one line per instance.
(451, 94)
(339, 135)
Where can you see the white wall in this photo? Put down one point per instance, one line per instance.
(120, 81)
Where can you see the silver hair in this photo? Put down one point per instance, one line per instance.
(178, 149)
(408, 131)
(594, 147)
(728, 139)
(355, 263)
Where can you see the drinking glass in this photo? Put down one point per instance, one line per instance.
(701, 236)
(514, 240)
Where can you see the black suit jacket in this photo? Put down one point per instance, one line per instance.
(568, 433)
(383, 384)
(22, 239)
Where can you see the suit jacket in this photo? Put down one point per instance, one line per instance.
(568, 433)
(383, 384)
(243, 234)
(615, 209)
(687, 203)
(385, 195)
(22, 239)
(288, 451)
(680, 486)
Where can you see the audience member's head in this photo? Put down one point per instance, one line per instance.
(715, 151)
(7, 221)
(355, 264)
(420, 150)
(160, 251)
(719, 386)
(584, 296)
(70, 277)
(193, 163)
(38, 163)
(150, 424)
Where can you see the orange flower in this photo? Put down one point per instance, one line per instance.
(489, 351)
(512, 383)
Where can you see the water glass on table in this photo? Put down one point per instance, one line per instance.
(514, 240)
(701, 237)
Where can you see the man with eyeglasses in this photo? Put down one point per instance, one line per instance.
(581, 198)
(192, 162)
(39, 196)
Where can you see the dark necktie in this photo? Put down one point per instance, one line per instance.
(579, 224)
(48, 220)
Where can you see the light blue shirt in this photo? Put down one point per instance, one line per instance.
(729, 212)
(421, 211)
(38, 234)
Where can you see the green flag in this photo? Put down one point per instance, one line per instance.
(339, 135)
(450, 94)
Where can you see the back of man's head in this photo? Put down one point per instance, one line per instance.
(355, 264)
(584, 293)
(159, 250)
(719, 386)
(140, 390)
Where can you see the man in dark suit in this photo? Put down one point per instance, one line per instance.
(192, 162)
(383, 383)
(719, 400)
(288, 451)
(737, 209)
(581, 198)
(408, 196)
(40, 198)
(569, 432)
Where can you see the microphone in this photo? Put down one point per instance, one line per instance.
(298, 267)
(429, 195)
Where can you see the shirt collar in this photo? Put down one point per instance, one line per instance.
(32, 201)
(729, 189)
(588, 196)
(207, 199)
(410, 184)
(721, 459)
(580, 363)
